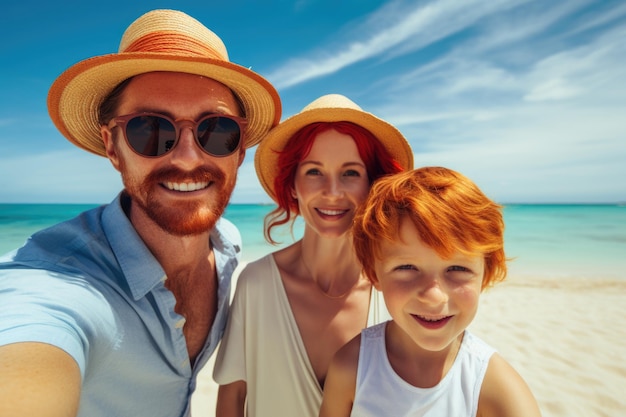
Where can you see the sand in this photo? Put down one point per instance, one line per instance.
(565, 336)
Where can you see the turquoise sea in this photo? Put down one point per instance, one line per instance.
(550, 241)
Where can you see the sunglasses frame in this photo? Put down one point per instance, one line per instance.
(179, 125)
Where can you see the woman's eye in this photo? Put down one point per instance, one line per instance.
(352, 173)
(312, 171)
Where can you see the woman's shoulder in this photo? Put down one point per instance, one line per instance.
(255, 273)
(288, 257)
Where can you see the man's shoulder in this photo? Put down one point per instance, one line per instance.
(228, 231)
(47, 248)
(227, 241)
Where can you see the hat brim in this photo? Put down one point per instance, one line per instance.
(267, 153)
(75, 97)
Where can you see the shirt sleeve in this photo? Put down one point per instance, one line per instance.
(230, 363)
(57, 309)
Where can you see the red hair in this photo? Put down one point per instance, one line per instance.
(450, 214)
(378, 162)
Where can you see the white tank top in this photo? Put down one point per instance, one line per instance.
(381, 392)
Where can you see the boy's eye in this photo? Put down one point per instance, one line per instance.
(406, 267)
(458, 268)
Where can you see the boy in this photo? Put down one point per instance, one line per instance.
(431, 241)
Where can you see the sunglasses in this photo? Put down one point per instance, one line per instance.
(153, 134)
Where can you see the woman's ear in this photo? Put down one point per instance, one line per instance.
(375, 282)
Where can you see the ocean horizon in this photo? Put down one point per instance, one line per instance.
(546, 240)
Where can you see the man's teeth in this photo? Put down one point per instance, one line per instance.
(186, 186)
(331, 212)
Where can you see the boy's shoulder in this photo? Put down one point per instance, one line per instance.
(504, 392)
(375, 331)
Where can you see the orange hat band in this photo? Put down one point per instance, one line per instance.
(172, 43)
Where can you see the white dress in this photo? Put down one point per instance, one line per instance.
(262, 346)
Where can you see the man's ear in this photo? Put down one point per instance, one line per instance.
(111, 152)
(242, 155)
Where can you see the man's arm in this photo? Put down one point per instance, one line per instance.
(37, 379)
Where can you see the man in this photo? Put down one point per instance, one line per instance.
(114, 313)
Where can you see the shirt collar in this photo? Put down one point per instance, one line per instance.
(141, 269)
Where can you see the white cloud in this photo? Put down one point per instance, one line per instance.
(553, 89)
(395, 29)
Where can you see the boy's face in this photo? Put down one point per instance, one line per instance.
(432, 300)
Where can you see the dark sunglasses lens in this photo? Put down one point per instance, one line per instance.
(150, 135)
(219, 136)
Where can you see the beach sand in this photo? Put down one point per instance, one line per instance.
(565, 336)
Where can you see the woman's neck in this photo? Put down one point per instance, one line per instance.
(331, 264)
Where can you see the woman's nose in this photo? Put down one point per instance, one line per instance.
(334, 187)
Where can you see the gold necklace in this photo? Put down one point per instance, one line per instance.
(333, 297)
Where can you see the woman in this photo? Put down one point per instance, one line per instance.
(294, 308)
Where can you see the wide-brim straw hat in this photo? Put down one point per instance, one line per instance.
(160, 40)
(328, 108)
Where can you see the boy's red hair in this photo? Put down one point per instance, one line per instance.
(449, 211)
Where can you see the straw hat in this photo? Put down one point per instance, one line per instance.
(160, 40)
(328, 108)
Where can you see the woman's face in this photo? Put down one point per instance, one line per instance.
(330, 183)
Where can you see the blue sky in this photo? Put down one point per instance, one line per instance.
(527, 98)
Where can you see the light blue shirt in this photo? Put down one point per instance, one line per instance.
(91, 287)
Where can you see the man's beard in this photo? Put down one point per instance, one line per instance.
(185, 218)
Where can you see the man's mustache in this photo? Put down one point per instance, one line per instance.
(173, 174)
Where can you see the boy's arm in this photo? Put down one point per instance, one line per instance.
(37, 379)
(504, 393)
(231, 399)
(340, 383)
